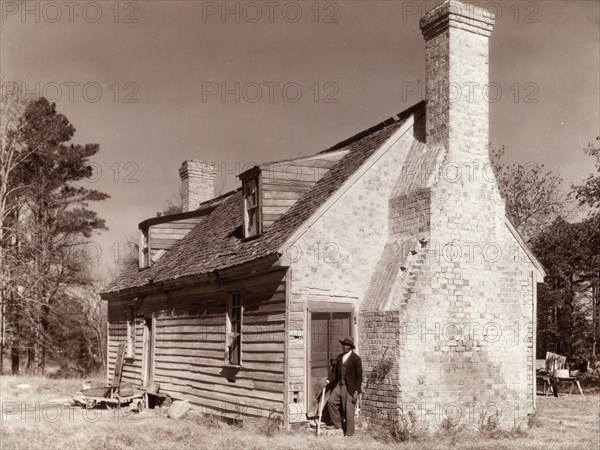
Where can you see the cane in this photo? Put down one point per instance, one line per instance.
(320, 410)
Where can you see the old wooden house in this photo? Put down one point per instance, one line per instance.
(396, 236)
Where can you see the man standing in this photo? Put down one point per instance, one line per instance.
(346, 380)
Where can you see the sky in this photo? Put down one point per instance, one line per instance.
(154, 83)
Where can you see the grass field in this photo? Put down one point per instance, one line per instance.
(31, 419)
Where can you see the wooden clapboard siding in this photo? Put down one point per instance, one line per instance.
(163, 236)
(297, 362)
(132, 368)
(189, 336)
(238, 408)
(283, 183)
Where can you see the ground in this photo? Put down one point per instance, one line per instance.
(32, 419)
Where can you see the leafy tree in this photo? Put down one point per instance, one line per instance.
(569, 252)
(568, 303)
(82, 346)
(588, 193)
(532, 195)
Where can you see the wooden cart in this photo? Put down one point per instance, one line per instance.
(110, 398)
(115, 395)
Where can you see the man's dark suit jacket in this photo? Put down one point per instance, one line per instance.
(353, 373)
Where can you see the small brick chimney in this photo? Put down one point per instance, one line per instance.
(457, 78)
(197, 183)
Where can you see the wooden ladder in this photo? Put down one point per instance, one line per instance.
(116, 380)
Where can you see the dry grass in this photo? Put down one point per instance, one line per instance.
(564, 423)
(41, 389)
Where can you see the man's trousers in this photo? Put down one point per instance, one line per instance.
(340, 398)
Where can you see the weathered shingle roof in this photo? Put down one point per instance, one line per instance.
(217, 244)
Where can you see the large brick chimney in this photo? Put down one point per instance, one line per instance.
(457, 121)
(445, 312)
(197, 183)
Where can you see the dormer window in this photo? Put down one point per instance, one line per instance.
(251, 185)
(144, 250)
(251, 206)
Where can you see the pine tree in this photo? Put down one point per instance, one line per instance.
(52, 224)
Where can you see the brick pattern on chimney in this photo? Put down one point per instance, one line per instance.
(456, 71)
(380, 334)
(197, 183)
(455, 205)
(351, 256)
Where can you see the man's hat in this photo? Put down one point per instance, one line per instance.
(348, 341)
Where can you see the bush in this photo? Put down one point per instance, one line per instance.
(274, 424)
(490, 428)
(210, 421)
(533, 421)
(450, 429)
(401, 430)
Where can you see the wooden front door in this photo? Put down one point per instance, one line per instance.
(326, 330)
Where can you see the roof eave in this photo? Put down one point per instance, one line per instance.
(250, 268)
(538, 265)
